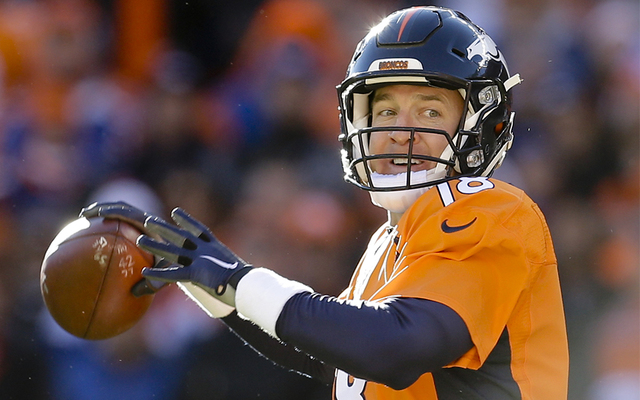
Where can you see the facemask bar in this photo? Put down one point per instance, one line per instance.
(358, 165)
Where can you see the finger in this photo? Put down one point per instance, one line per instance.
(170, 233)
(169, 251)
(190, 224)
(95, 209)
(116, 210)
(171, 274)
(162, 263)
(147, 287)
(125, 212)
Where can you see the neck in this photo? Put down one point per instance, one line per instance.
(394, 217)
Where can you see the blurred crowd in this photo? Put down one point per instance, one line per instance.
(228, 109)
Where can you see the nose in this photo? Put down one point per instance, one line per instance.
(403, 137)
(400, 137)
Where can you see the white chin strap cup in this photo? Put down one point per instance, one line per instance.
(398, 201)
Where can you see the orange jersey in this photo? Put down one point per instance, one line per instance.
(483, 248)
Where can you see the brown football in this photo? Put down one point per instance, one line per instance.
(87, 275)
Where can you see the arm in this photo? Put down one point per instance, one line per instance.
(391, 342)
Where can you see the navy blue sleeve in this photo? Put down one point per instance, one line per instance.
(392, 343)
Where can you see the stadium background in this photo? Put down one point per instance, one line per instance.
(228, 109)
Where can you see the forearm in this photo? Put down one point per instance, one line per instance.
(285, 355)
(280, 353)
(392, 343)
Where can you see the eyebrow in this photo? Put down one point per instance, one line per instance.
(420, 96)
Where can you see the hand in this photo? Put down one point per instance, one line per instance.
(133, 216)
(202, 259)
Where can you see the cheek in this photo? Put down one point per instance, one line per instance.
(377, 146)
(452, 126)
(377, 142)
(437, 144)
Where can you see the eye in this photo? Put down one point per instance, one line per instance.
(432, 113)
(387, 112)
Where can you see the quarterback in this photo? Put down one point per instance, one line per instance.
(457, 295)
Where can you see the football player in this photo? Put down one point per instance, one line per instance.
(457, 295)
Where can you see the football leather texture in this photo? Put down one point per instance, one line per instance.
(87, 275)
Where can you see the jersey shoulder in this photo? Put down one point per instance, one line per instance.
(478, 194)
(466, 210)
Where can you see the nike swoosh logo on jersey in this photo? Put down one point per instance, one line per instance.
(220, 262)
(451, 229)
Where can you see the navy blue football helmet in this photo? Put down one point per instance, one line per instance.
(437, 47)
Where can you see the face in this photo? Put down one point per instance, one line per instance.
(412, 106)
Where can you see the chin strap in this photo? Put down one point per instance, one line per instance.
(398, 201)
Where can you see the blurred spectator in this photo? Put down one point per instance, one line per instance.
(276, 87)
(228, 109)
(615, 360)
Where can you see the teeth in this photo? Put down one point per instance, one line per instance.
(403, 161)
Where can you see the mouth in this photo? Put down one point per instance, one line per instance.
(405, 161)
(397, 165)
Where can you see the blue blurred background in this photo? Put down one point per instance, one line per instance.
(228, 109)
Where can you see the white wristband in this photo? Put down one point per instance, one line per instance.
(212, 306)
(261, 295)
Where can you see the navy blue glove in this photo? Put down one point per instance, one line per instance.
(202, 259)
(133, 216)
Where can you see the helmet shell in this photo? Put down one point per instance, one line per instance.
(444, 41)
(438, 47)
